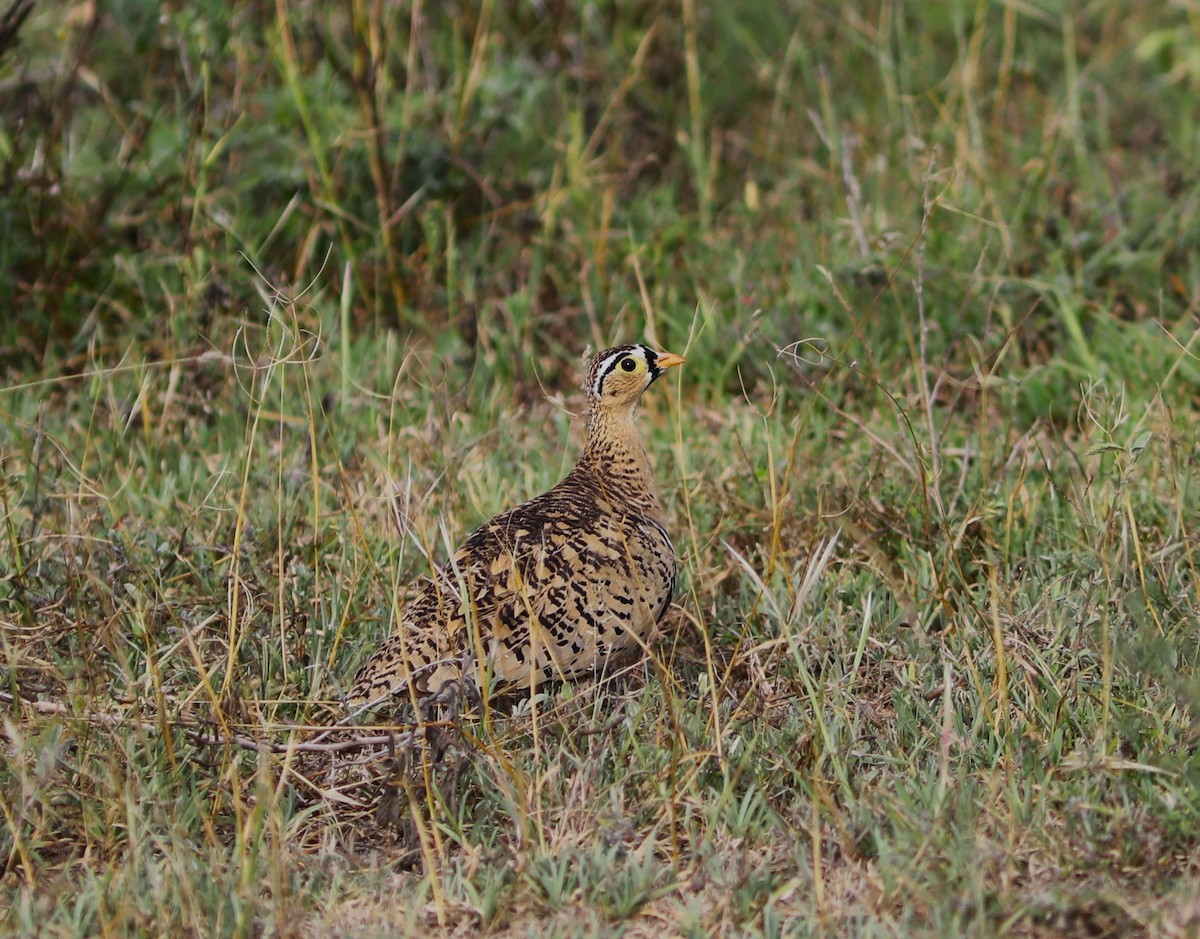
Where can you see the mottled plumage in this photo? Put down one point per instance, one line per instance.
(556, 586)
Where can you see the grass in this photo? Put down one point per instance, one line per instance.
(932, 668)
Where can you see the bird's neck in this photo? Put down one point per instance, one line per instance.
(614, 455)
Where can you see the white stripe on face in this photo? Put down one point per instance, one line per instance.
(608, 363)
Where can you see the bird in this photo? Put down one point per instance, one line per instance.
(555, 588)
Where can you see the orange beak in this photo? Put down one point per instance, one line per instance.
(669, 360)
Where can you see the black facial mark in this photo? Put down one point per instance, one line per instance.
(652, 363)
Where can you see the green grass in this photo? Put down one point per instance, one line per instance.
(936, 270)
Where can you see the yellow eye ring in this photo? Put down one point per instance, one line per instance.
(628, 364)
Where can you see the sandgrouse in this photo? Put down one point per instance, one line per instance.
(554, 588)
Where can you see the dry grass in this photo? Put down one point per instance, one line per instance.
(932, 665)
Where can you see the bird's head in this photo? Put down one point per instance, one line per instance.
(618, 376)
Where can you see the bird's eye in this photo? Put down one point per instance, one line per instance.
(628, 364)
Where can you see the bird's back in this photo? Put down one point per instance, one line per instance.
(546, 591)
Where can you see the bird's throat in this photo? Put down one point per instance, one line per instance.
(615, 455)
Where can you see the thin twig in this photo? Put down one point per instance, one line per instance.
(198, 734)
